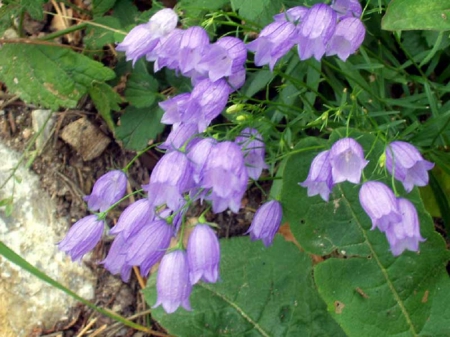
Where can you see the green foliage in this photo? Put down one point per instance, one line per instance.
(260, 12)
(377, 293)
(105, 100)
(417, 14)
(99, 7)
(142, 88)
(96, 36)
(262, 292)
(138, 126)
(49, 76)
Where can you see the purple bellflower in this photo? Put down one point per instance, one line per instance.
(266, 222)
(192, 46)
(224, 58)
(347, 8)
(294, 14)
(143, 39)
(133, 218)
(181, 133)
(107, 190)
(252, 145)
(203, 253)
(174, 108)
(319, 180)
(198, 154)
(82, 237)
(166, 52)
(405, 234)
(148, 246)
(347, 161)
(225, 174)
(171, 177)
(380, 204)
(407, 165)
(172, 283)
(316, 29)
(274, 41)
(115, 261)
(347, 38)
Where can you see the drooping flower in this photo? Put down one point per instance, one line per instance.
(198, 154)
(115, 261)
(174, 108)
(225, 174)
(203, 253)
(143, 38)
(316, 29)
(224, 58)
(192, 46)
(347, 161)
(347, 38)
(170, 178)
(133, 218)
(406, 233)
(107, 190)
(254, 149)
(274, 41)
(172, 284)
(181, 133)
(294, 14)
(266, 222)
(149, 245)
(319, 180)
(166, 53)
(82, 237)
(407, 165)
(347, 8)
(380, 204)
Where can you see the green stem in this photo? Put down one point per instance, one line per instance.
(140, 153)
(63, 32)
(102, 215)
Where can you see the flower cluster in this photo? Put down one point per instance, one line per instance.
(317, 31)
(396, 217)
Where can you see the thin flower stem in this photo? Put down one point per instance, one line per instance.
(140, 153)
(102, 215)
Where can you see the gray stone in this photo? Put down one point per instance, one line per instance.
(42, 119)
(32, 231)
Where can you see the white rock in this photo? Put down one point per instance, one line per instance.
(33, 231)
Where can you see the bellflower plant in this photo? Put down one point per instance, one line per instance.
(133, 218)
(266, 222)
(347, 161)
(347, 38)
(319, 180)
(252, 145)
(115, 262)
(107, 190)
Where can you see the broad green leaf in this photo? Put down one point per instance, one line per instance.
(417, 14)
(260, 12)
(262, 292)
(138, 126)
(126, 12)
(47, 75)
(34, 8)
(367, 289)
(194, 8)
(100, 7)
(142, 88)
(96, 37)
(105, 100)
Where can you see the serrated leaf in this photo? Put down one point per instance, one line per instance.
(417, 14)
(138, 126)
(262, 292)
(96, 37)
(376, 293)
(105, 100)
(142, 88)
(99, 7)
(49, 76)
(259, 11)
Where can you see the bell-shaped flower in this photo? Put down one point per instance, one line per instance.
(347, 8)
(192, 46)
(274, 41)
(133, 218)
(143, 38)
(198, 154)
(180, 135)
(166, 53)
(347, 161)
(107, 190)
(203, 253)
(82, 237)
(172, 283)
(407, 165)
(315, 30)
(115, 261)
(347, 38)
(224, 58)
(254, 149)
(174, 108)
(406, 233)
(225, 174)
(380, 204)
(266, 222)
(170, 178)
(319, 180)
(148, 246)
(294, 14)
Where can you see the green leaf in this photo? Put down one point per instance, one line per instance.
(105, 100)
(142, 88)
(194, 8)
(100, 7)
(367, 288)
(138, 126)
(258, 11)
(47, 75)
(96, 37)
(34, 8)
(417, 14)
(126, 12)
(262, 292)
